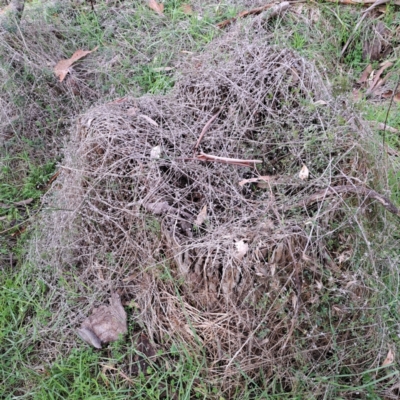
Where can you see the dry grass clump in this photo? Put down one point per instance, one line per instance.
(267, 284)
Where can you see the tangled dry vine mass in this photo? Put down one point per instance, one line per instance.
(247, 283)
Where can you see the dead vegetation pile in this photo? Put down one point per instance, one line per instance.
(245, 261)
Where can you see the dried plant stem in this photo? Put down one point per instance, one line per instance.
(204, 130)
(225, 160)
(335, 190)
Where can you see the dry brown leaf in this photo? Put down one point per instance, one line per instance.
(17, 203)
(389, 358)
(389, 94)
(148, 119)
(366, 74)
(187, 9)
(294, 301)
(163, 69)
(230, 279)
(132, 111)
(344, 256)
(315, 14)
(364, 3)
(157, 7)
(382, 127)
(356, 95)
(304, 173)
(265, 178)
(374, 84)
(349, 284)
(320, 103)
(158, 207)
(201, 217)
(105, 325)
(62, 67)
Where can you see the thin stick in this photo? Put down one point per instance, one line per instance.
(386, 119)
(364, 3)
(226, 160)
(368, 193)
(205, 129)
(388, 110)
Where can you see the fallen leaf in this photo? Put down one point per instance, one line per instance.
(374, 84)
(304, 173)
(265, 178)
(163, 69)
(157, 7)
(23, 202)
(345, 256)
(201, 216)
(315, 14)
(382, 127)
(155, 152)
(105, 325)
(158, 207)
(62, 67)
(88, 336)
(230, 279)
(366, 74)
(241, 249)
(19, 232)
(389, 358)
(364, 3)
(132, 111)
(148, 119)
(356, 95)
(351, 283)
(294, 301)
(389, 94)
(320, 103)
(187, 9)
(17, 203)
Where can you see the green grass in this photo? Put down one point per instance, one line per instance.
(136, 48)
